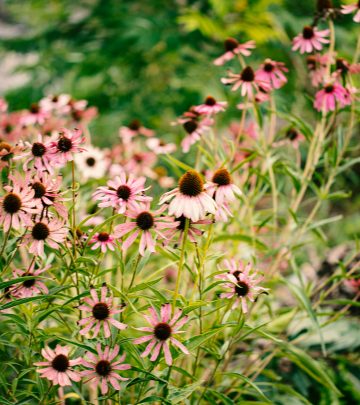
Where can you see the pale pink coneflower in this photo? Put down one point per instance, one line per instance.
(140, 163)
(310, 38)
(145, 223)
(92, 163)
(66, 145)
(344, 67)
(162, 328)
(50, 231)
(102, 312)
(292, 137)
(127, 133)
(222, 188)
(190, 198)
(58, 367)
(103, 368)
(58, 104)
(122, 193)
(104, 241)
(331, 96)
(160, 147)
(210, 106)
(32, 287)
(38, 155)
(3, 105)
(352, 8)
(194, 129)
(233, 48)
(246, 81)
(272, 73)
(18, 205)
(35, 115)
(242, 285)
(8, 152)
(317, 65)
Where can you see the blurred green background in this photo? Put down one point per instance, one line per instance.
(149, 60)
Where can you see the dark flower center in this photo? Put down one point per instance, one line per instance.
(162, 331)
(8, 128)
(60, 363)
(145, 220)
(308, 32)
(103, 236)
(34, 108)
(38, 149)
(311, 62)
(268, 67)
(123, 192)
(191, 184)
(11, 203)
(341, 65)
(90, 161)
(103, 368)
(55, 99)
(39, 189)
(230, 44)
(138, 158)
(210, 101)
(291, 134)
(236, 274)
(182, 221)
(190, 126)
(241, 289)
(247, 75)
(64, 144)
(40, 231)
(4, 145)
(135, 125)
(329, 88)
(29, 283)
(100, 311)
(222, 177)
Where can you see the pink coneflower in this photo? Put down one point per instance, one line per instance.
(29, 288)
(241, 284)
(233, 48)
(92, 163)
(344, 67)
(221, 188)
(3, 105)
(133, 129)
(162, 328)
(17, 205)
(190, 198)
(102, 312)
(38, 154)
(145, 223)
(331, 96)
(310, 38)
(35, 115)
(58, 104)
(104, 241)
(50, 231)
(140, 163)
(58, 367)
(67, 144)
(122, 193)
(8, 152)
(317, 66)
(160, 147)
(246, 81)
(103, 368)
(295, 137)
(271, 73)
(194, 130)
(211, 106)
(352, 8)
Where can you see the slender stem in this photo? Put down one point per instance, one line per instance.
(5, 240)
(134, 271)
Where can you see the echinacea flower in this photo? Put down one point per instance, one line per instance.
(310, 38)
(29, 288)
(35, 115)
(133, 129)
(294, 137)
(190, 198)
(58, 104)
(58, 367)
(210, 106)
(317, 66)
(67, 144)
(38, 154)
(102, 312)
(104, 241)
(222, 188)
(103, 368)
(344, 67)
(233, 48)
(122, 193)
(241, 284)
(17, 205)
(272, 73)
(160, 147)
(162, 328)
(145, 223)
(331, 96)
(194, 129)
(352, 8)
(50, 231)
(92, 163)
(7, 152)
(246, 81)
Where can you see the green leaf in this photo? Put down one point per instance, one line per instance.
(249, 382)
(243, 238)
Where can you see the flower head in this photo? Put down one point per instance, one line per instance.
(160, 147)
(38, 155)
(29, 288)
(233, 48)
(352, 8)
(103, 368)
(66, 146)
(272, 73)
(161, 331)
(190, 198)
(58, 367)
(210, 106)
(104, 241)
(8, 152)
(132, 130)
(330, 96)
(92, 163)
(102, 312)
(310, 38)
(246, 81)
(194, 129)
